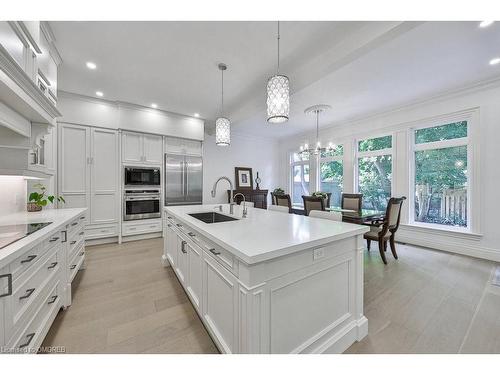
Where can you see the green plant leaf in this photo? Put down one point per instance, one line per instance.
(42, 203)
(51, 198)
(33, 197)
(61, 199)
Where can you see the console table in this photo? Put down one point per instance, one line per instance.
(258, 197)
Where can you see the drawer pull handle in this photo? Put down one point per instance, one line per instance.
(72, 267)
(72, 242)
(152, 226)
(28, 259)
(179, 225)
(183, 247)
(29, 337)
(29, 292)
(213, 251)
(169, 217)
(54, 239)
(82, 217)
(9, 284)
(52, 265)
(52, 300)
(169, 225)
(75, 223)
(81, 233)
(191, 234)
(82, 253)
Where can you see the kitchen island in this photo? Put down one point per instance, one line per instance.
(270, 282)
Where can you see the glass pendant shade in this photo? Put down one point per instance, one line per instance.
(222, 131)
(278, 99)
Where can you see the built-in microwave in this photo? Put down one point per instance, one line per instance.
(141, 204)
(141, 176)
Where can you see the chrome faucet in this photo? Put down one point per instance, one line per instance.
(231, 201)
(244, 205)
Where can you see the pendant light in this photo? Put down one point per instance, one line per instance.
(222, 124)
(306, 150)
(278, 94)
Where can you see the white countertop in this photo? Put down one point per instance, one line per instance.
(57, 217)
(264, 234)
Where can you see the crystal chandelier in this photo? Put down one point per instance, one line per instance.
(278, 94)
(222, 124)
(306, 150)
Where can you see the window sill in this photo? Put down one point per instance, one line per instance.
(462, 234)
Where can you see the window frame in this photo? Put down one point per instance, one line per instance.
(448, 143)
(327, 159)
(382, 152)
(291, 165)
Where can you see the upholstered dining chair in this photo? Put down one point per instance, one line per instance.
(283, 209)
(335, 216)
(313, 203)
(352, 201)
(385, 230)
(284, 200)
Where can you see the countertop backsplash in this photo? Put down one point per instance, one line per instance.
(13, 194)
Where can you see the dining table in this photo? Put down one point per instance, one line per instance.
(358, 216)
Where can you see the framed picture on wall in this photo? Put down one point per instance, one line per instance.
(243, 178)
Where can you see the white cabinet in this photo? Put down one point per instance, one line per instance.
(182, 146)
(220, 303)
(195, 274)
(182, 261)
(171, 245)
(89, 175)
(145, 149)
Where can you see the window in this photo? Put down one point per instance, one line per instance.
(440, 177)
(299, 172)
(331, 174)
(374, 167)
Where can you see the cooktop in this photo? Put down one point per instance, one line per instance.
(13, 233)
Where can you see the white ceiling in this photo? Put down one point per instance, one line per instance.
(357, 67)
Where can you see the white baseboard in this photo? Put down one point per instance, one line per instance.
(101, 241)
(141, 236)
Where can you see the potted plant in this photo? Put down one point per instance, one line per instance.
(37, 200)
(321, 194)
(278, 191)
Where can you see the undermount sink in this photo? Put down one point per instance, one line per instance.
(212, 217)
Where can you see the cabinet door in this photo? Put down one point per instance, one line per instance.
(74, 165)
(182, 261)
(195, 271)
(132, 147)
(171, 245)
(104, 176)
(193, 147)
(153, 149)
(220, 303)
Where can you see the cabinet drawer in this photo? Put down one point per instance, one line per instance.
(76, 263)
(25, 295)
(31, 257)
(31, 337)
(224, 257)
(78, 247)
(141, 228)
(75, 225)
(101, 232)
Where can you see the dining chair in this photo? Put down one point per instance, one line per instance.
(385, 229)
(273, 207)
(352, 201)
(335, 216)
(313, 203)
(284, 200)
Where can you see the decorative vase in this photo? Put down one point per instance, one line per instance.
(33, 207)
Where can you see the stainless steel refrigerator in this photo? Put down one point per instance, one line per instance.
(183, 180)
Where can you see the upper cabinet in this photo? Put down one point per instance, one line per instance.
(139, 148)
(182, 146)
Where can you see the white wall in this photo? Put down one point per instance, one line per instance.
(485, 99)
(13, 193)
(257, 153)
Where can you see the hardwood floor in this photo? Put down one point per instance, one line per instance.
(426, 302)
(125, 301)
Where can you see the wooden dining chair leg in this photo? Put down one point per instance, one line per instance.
(368, 243)
(393, 247)
(381, 250)
(385, 245)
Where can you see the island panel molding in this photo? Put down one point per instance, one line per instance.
(305, 299)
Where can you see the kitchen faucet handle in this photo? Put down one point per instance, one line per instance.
(219, 207)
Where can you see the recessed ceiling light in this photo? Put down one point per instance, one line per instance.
(196, 115)
(484, 24)
(154, 105)
(495, 61)
(99, 93)
(91, 65)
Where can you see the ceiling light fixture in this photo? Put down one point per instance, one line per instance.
(154, 105)
(99, 93)
(91, 65)
(484, 24)
(305, 149)
(222, 124)
(278, 94)
(495, 61)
